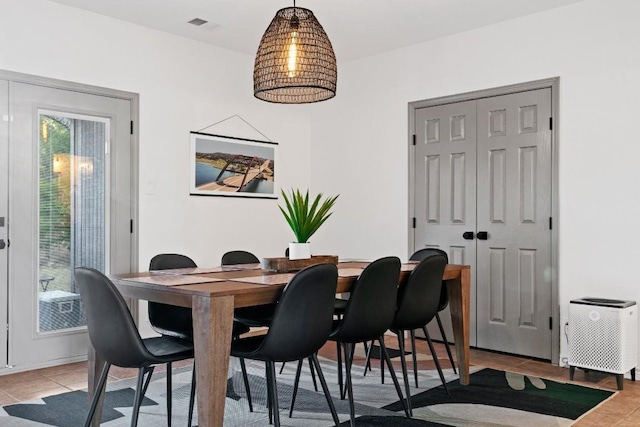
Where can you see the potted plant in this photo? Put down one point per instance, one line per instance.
(305, 219)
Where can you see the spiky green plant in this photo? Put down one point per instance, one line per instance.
(304, 218)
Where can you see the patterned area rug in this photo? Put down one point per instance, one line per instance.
(494, 398)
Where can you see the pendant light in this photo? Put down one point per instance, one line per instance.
(295, 63)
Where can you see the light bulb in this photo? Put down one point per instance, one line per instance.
(292, 57)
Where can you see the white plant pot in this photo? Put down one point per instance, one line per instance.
(299, 250)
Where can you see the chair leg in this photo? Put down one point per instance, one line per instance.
(446, 343)
(97, 394)
(274, 394)
(192, 395)
(405, 376)
(348, 385)
(367, 364)
(295, 387)
(269, 405)
(325, 389)
(435, 359)
(148, 371)
(414, 356)
(169, 386)
(313, 375)
(245, 378)
(137, 401)
(339, 361)
(353, 351)
(381, 367)
(367, 359)
(282, 367)
(383, 351)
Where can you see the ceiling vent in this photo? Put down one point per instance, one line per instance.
(197, 22)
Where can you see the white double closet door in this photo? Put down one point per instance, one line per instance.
(65, 201)
(483, 194)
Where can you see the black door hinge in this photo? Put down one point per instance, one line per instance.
(414, 222)
(550, 123)
(414, 139)
(131, 226)
(550, 223)
(131, 127)
(550, 323)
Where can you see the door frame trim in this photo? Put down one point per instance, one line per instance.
(134, 99)
(552, 83)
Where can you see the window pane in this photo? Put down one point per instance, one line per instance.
(72, 214)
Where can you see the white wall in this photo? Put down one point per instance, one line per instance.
(358, 141)
(184, 85)
(359, 145)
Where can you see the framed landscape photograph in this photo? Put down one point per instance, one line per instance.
(230, 166)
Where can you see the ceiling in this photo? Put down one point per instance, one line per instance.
(357, 28)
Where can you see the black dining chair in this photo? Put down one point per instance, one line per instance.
(239, 257)
(370, 310)
(173, 321)
(300, 325)
(418, 298)
(116, 340)
(257, 315)
(443, 303)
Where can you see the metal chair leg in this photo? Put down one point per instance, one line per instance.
(169, 399)
(446, 343)
(274, 394)
(296, 382)
(137, 400)
(405, 376)
(97, 393)
(149, 371)
(245, 378)
(367, 364)
(340, 382)
(325, 389)
(381, 367)
(414, 356)
(383, 350)
(435, 359)
(269, 405)
(348, 385)
(313, 375)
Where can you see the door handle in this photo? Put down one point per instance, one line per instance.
(482, 235)
(467, 235)
(2, 244)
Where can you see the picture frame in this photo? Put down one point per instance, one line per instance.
(232, 167)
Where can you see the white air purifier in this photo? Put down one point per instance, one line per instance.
(603, 336)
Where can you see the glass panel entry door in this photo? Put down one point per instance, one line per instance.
(73, 198)
(67, 207)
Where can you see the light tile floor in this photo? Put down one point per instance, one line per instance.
(622, 410)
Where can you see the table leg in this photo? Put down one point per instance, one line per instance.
(212, 328)
(94, 367)
(459, 290)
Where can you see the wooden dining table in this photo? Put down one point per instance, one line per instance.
(214, 293)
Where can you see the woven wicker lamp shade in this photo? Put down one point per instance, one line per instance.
(295, 63)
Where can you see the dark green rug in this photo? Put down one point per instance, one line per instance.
(501, 398)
